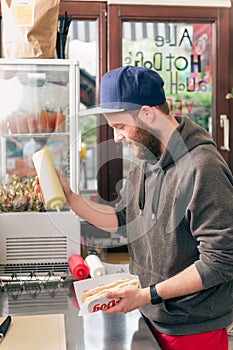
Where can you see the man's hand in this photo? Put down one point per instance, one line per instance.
(37, 189)
(66, 188)
(97, 214)
(130, 299)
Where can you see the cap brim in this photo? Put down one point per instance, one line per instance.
(99, 110)
(111, 107)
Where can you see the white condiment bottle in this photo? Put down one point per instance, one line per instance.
(96, 266)
(53, 194)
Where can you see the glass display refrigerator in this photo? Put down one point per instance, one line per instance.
(39, 108)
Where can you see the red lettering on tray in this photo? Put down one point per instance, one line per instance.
(105, 306)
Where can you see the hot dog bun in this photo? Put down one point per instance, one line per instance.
(100, 290)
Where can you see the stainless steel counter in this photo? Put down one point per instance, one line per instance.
(97, 331)
(117, 331)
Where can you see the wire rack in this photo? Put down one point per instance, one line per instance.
(33, 283)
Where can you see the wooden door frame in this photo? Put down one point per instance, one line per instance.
(97, 11)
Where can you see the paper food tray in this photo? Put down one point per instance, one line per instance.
(101, 303)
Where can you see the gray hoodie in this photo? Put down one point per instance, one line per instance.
(178, 211)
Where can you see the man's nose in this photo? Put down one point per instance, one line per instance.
(118, 137)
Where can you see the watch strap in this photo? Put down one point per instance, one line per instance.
(155, 298)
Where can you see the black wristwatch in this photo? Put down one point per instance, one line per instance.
(154, 298)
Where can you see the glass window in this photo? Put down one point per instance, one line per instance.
(182, 54)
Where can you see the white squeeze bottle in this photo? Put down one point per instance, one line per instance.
(53, 194)
(96, 266)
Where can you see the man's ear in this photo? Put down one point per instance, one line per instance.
(147, 115)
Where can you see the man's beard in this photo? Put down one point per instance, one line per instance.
(146, 145)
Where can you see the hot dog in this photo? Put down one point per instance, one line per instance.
(103, 289)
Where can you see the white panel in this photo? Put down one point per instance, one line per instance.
(205, 3)
(31, 230)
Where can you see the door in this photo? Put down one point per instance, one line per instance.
(189, 47)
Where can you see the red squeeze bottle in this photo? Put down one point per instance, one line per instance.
(79, 269)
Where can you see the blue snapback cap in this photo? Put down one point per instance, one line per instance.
(127, 88)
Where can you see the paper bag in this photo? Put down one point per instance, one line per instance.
(29, 28)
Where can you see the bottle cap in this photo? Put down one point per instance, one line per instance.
(56, 204)
(80, 272)
(79, 269)
(96, 266)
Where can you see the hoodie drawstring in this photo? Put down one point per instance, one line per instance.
(142, 190)
(157, 191)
